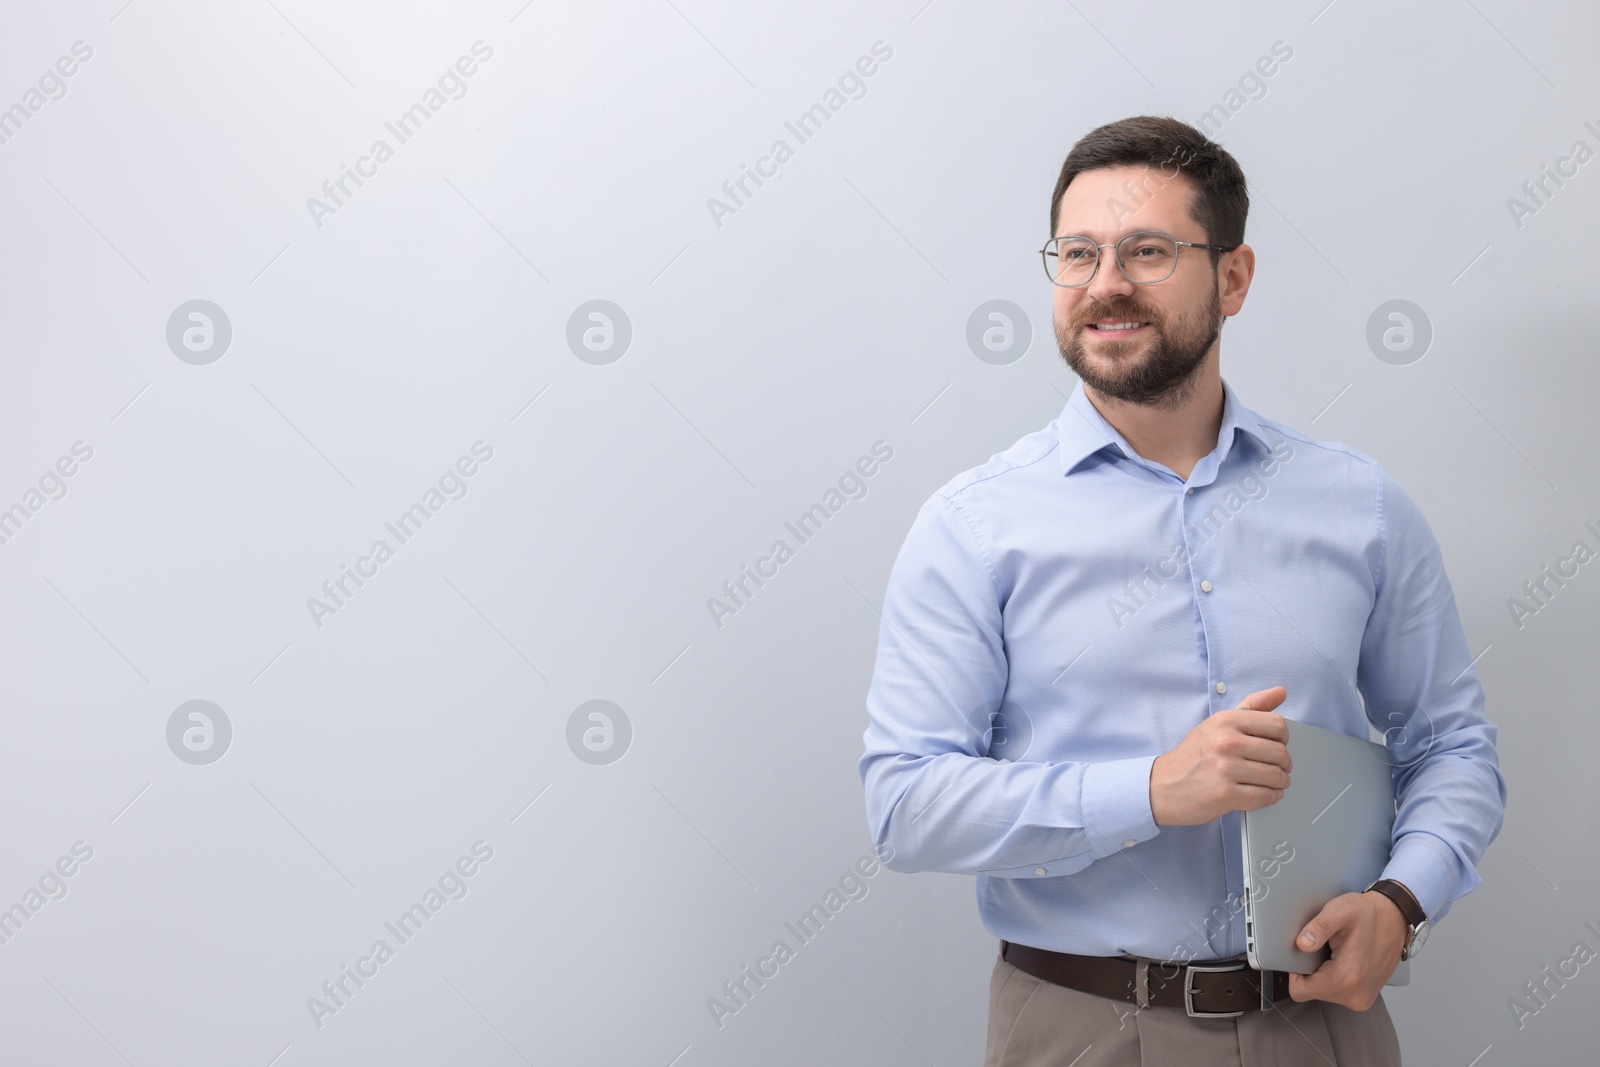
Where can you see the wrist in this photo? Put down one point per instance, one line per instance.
(1402, 901)
(1390, 907)
(1392, 917)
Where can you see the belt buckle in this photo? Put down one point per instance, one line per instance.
(1189, 990)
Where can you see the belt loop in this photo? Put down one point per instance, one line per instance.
(1141, 983)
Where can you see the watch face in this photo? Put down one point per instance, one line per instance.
(1418, 936)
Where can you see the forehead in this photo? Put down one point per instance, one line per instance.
(1111, 201)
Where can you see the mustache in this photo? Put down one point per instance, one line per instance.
(1118, 312)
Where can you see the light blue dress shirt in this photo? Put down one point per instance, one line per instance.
(1066, 612)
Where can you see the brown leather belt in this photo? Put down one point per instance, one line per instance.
(1204, 989)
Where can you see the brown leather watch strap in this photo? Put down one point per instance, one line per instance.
(1403, 899)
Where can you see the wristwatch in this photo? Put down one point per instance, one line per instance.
(1416, 921)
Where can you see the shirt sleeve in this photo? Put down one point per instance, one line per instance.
(936, 801)
(1420, 687)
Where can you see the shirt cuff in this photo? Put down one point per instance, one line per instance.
(1116, 805)
(1425, 868)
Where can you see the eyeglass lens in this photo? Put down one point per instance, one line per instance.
(1145, 257)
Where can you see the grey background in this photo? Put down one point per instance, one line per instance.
(767, 355)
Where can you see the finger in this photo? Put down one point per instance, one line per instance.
(1264, 749)
(1268, 724)
(1329, 923)
(1309, 986)
(1266, 752)
(1251, 797)
(1268, 775)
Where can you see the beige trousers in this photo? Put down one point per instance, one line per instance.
(1034, 1023)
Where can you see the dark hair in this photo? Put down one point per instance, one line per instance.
(1220, 202)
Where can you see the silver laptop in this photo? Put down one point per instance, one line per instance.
(1329, 834)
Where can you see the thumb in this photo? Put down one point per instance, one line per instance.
(1264, 699)
(1316, 932)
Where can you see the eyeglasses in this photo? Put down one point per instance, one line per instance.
(1144, 257)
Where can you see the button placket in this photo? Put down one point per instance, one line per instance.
(1205, 587)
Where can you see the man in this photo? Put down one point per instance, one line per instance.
(1069, 627)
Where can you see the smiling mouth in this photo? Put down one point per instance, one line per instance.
(1117, 329)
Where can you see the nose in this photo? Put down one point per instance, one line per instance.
(1109, 283)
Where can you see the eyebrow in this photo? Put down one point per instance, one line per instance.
(1097, 235)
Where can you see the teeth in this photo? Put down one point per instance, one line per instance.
(1117, 325)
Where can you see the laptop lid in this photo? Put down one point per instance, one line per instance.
(1329, 834)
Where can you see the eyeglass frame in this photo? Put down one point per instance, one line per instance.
(1045, 252)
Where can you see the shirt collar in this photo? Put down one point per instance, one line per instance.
(1084, 432)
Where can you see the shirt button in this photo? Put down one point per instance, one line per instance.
(1205, 587)
(1130, 842)
(1189, 491)
(1222, 687)
(1038, 870)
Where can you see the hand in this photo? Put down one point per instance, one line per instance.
(1235, 760)
(1366, 932)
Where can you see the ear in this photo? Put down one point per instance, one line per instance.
(1235, 270)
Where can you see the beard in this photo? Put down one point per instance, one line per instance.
(1164, 376)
